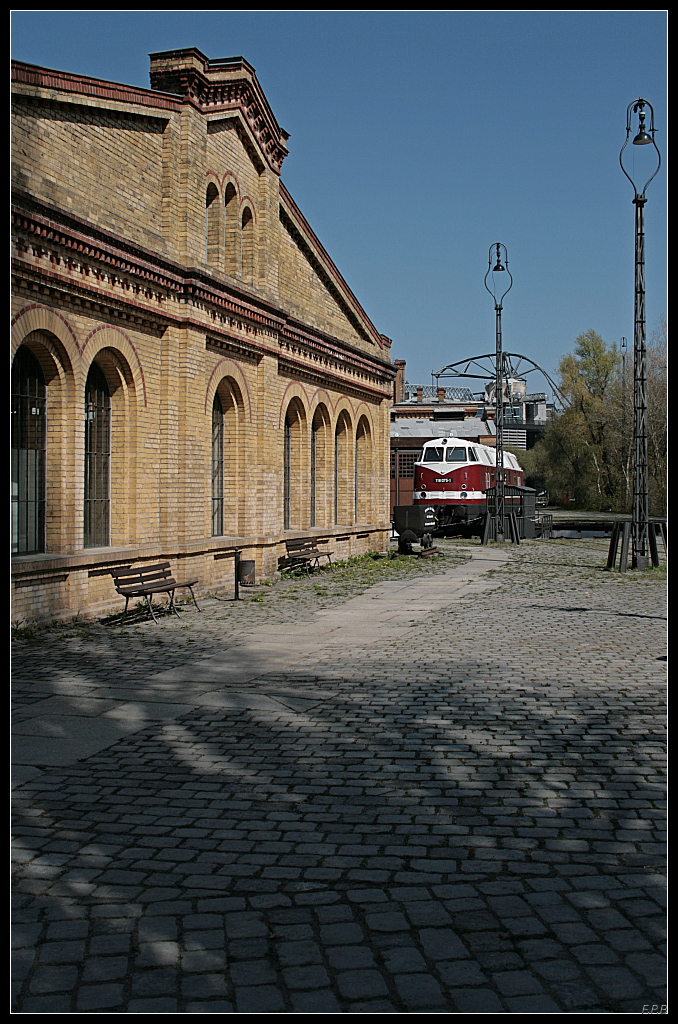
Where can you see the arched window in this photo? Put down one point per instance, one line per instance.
(314, 469)
(320, 465)
(231, 239)
(344, 498)
(217, 467)
(364, 494)
(29, 435)
(97, 531)
(295, 468)
(247, 245)
(212, 249)
(336, 475)
(287, 474)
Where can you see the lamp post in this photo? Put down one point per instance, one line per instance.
(624, 449)
(495, 289)
(640, 532)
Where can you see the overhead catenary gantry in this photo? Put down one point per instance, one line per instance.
(516, 366)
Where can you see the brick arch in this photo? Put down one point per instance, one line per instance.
(246, 201)
(363, 409)
(212, 178)
(229, 368)
(37, 317)
(320, 397)
(118, 340)
(232, 179)
(293, 390)
(344, 405)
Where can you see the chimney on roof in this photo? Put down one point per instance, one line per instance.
(420, 394)
(399, 382)
(175, 70)
(440, 392)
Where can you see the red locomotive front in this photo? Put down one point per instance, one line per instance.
(453, 475)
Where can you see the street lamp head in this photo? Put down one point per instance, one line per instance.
(500, 257)
(643, 137)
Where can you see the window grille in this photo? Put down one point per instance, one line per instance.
(97, 460)
(336, 476)
(217, 467)
(287, 475)
(29, 433)
(314, 470)
(356, 518)
(406, 464)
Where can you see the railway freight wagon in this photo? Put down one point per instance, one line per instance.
(453, 475)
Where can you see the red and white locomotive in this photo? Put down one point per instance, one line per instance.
(453, 474)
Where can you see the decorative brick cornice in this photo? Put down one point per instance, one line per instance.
(215, 86)
(300, 370)
(297, 335)
(48, 227)
(83, 85)
(84, 267)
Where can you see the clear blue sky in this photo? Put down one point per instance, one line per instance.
(418, 139)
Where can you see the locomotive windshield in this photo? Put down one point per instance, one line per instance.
(456, 455)
(432, 454)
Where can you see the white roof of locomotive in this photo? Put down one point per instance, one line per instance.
(486, 455)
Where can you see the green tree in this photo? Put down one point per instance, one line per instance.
(584, 462)
(587, 451)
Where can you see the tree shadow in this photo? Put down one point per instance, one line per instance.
(453, 787)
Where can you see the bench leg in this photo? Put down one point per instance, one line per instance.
(194, 600)
(172, 605)
(149, 602)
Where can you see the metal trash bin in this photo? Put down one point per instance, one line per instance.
(246, 572)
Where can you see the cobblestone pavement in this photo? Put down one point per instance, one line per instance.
(442, 794)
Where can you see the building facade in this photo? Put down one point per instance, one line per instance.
(190, 372)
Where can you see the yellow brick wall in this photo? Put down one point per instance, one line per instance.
(79, 159)
(108, 165)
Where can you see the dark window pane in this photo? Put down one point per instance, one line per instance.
(29, 436)
(217, 467)
(97, 459)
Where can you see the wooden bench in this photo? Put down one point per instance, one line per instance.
(147, 580)
(303, 553)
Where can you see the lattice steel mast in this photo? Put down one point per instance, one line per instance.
(640, 529)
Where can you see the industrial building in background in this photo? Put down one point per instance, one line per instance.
(421, 413)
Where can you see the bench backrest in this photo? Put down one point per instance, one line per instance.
(300, 546)
(129, 576)
(294, 547)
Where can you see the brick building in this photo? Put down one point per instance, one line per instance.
(190, 372)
